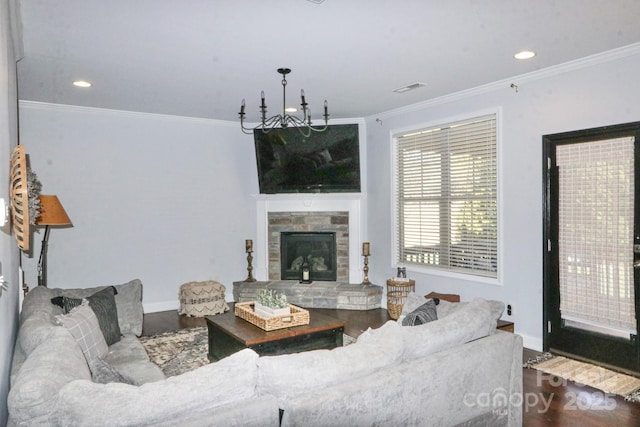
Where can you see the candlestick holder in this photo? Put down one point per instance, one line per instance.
(365, 281)
(249, 267)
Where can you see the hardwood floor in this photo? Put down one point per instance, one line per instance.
(553, 401)
(547, 400)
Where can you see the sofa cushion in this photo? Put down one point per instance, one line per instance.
(83, 325)
(103, 304)
(471, 321)
(55, 362)
(231, 379)
(289, 375)
(129, 357)
(445, 308)
(33, 330)
(128, 303)
(423, 314)
(103, 373)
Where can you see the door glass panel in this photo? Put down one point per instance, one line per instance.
(595, 236)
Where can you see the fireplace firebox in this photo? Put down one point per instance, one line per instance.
(318, 249)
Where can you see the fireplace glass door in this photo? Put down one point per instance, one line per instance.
(318, 249)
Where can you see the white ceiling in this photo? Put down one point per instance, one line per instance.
(200, 58)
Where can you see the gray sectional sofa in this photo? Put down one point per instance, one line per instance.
(457, 370)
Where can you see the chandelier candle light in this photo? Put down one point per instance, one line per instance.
(285, 120)
(248, 244)
(365, 253)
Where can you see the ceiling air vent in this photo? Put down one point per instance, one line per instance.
(407, 88)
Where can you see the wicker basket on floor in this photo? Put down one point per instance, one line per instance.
(397, 292)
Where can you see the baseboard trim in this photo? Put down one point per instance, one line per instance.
(530, 342)
(160, 306)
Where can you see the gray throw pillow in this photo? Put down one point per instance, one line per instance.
(423, 314)
(103, 373)
(83, 325)
(103, 303)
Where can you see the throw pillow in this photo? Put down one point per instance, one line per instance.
(423, 314)
(412, 302)
(82, 323)
(103, 303)
(103, 373)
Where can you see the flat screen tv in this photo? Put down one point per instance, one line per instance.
(323, 162)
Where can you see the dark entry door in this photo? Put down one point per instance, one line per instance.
(591, 244)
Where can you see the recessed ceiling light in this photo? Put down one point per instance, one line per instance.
(407, 88)
(82, 83)
(290, 109)
(525, 54)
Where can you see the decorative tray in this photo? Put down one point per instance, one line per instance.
(297, 317)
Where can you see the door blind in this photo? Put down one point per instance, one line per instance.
(446, 209)
(596, 201)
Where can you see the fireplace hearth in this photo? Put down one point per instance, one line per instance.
(317, 249)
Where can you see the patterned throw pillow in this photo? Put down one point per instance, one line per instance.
(103, 304)
(83, 325)
(423, 314)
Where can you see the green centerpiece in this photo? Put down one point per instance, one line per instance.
(270, 303)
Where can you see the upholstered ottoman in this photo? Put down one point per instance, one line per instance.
(198, 299)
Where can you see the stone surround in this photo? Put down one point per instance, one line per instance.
(318, 294)
(309, 222)
(316, 204)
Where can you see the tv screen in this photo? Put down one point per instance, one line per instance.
(323, 162)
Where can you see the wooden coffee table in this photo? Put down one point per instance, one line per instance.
(229, 334)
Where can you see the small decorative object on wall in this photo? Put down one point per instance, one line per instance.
(25, 202)
(365, 253)
(305, 272)
(248, 244)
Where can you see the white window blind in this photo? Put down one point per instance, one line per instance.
(595, 240)
(446, 206)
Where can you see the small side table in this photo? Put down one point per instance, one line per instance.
(505, 325)
(397, 291)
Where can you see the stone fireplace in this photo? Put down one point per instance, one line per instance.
(340, 213)
(311, 213)
(307, 228)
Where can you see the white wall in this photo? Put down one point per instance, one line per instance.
(160, 198)
(9, 256)
(594, 92)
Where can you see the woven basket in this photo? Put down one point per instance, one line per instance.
(395, 302)
(397, 292)
(298, 316)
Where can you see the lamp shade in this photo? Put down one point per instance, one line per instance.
(52, 212)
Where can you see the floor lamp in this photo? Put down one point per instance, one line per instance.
(51, 214)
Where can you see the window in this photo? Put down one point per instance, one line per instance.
(446, 197)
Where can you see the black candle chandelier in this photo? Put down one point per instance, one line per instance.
(285, 120)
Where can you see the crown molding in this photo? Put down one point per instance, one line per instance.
(48, 106)
(588, 61)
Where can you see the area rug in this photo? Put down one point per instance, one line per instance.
(583, 373)
(185, 350)
(178, 352)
